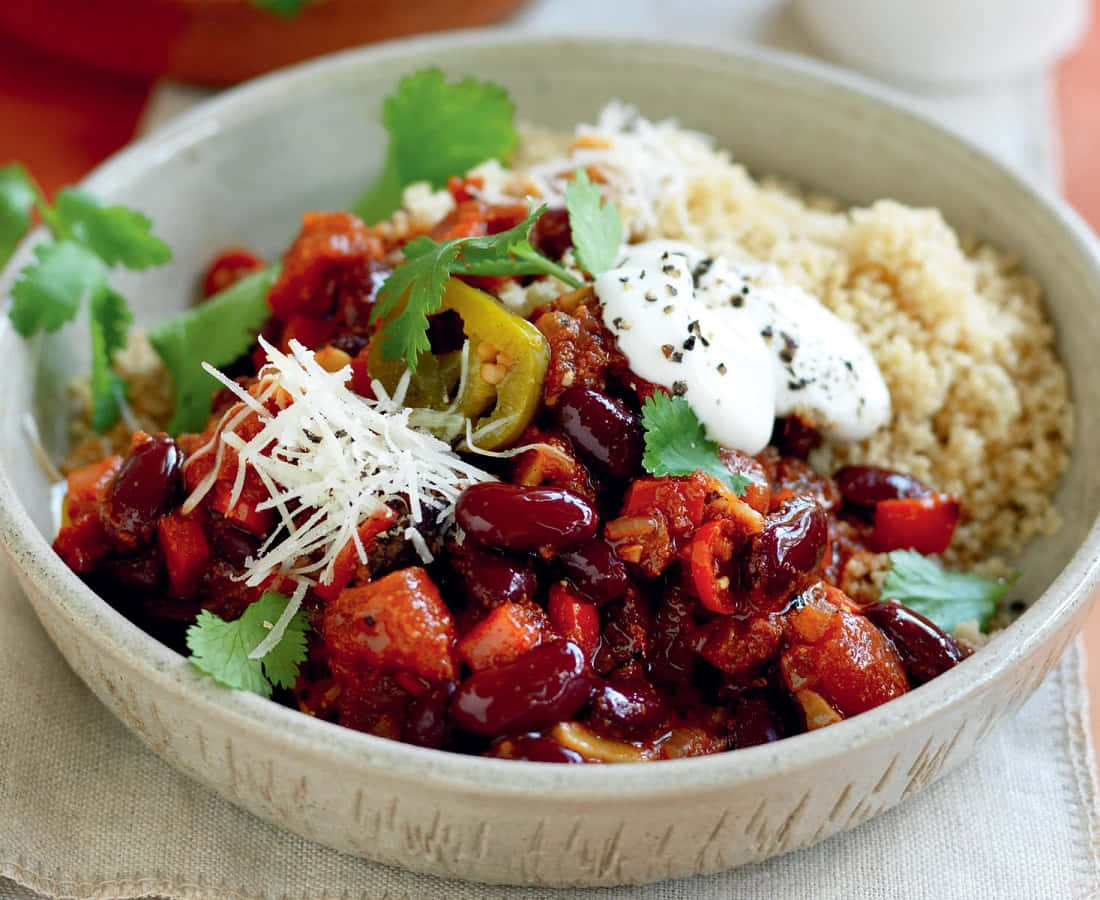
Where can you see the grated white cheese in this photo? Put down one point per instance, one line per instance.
(646, 168)
(331, 459)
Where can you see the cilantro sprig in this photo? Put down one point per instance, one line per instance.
(18, 195)
(677, 444)
(946, 598)
(218, 331)
(88, 239)
(221, 649)
(595, 225)
(415, 289)
(437, 130)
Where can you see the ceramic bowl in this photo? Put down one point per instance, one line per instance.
(243, 166)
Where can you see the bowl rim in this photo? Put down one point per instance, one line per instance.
(291, 733)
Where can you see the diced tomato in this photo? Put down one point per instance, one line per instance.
(360, 374)
(463, 189)
(924, 524)
(709, 555)
(779, 498)
(758, 491)
(505, 634)
(82, 544)
(643, 541)
(396, 623)
(740, 646)
(244, 512)
(644, 389)
(229, 267)
(309, 331)
(88, 485)
(467, 219)
(681, 500)
(575, 619)
(348, 558)
(840, 655)
(186, 551)
(328, 247)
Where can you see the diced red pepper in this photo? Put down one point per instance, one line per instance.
(88, 485)
(924, 524)
(505, 634)
(229, 267)
(82, 544)
(360, 374)
(709, 555)
(186, 551)
(309, 331)
(396, 623)
(244, 512)
(347, 560)
(575, 619)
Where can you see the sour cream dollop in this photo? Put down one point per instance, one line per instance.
(740, 345)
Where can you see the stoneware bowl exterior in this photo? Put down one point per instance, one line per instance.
(242, 167)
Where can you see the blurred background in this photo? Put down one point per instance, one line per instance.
(80, 79)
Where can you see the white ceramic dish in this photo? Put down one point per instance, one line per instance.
(242, 167)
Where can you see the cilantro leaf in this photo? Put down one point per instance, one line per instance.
(946, 598)
(595, 224)
(115, 234)
(421, 280)
(676, 444)
(510, 253)
(17, 198)
(218, 331)
(110, 318)
(437, 130)
(286, 8)
(221, 648)
(47, 292)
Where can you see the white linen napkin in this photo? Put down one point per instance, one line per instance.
(87, 811)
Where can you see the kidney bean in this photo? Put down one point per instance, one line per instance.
(518, 517)
(925, 649)
(546, 685)
(352, 344)
(142, 572)
(789, 548)
(490, 579)
(602, 429)
(233, 544)
(865, 486)
(755, 721)
(798, 477)
(533, 749)
(627, 627)
(595, 571)
(426, 723)
(672, 657)
(793, 436)
(629, 709)
(551, 234)
(142, 491)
